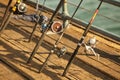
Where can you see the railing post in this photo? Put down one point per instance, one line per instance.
(65, 13)
(37, 5)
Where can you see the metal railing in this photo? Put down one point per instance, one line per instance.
(82, 21)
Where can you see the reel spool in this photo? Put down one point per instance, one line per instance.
(22, 8)
(56, 27)
(19, 8)
(92, 41)
(60, 51)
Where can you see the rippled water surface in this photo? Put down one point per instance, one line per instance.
(108, 18)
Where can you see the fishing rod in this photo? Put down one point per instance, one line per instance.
(45, 31)
(81, 39)
(62, 51)
(6, 13)
(18, 8)
(37, 22)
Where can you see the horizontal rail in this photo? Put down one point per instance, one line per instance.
(115, 3)
(91, 11)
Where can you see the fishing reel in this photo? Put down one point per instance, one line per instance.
(22, 7)
(92, 41)
(56, 27)
(19, 8)
(43, 22)
(90, 45)
(60, 51)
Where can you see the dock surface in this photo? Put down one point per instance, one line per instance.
(15, 51)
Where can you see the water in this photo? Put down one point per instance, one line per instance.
(108, 18)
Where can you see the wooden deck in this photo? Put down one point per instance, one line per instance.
(15, 51)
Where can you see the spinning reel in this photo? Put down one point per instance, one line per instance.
(60, 51)
(22, 7)
(43, 19)
(90, 45)
(19, 8)
(56, 27)
(43, 22)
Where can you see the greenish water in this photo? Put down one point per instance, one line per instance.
(108, 18)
